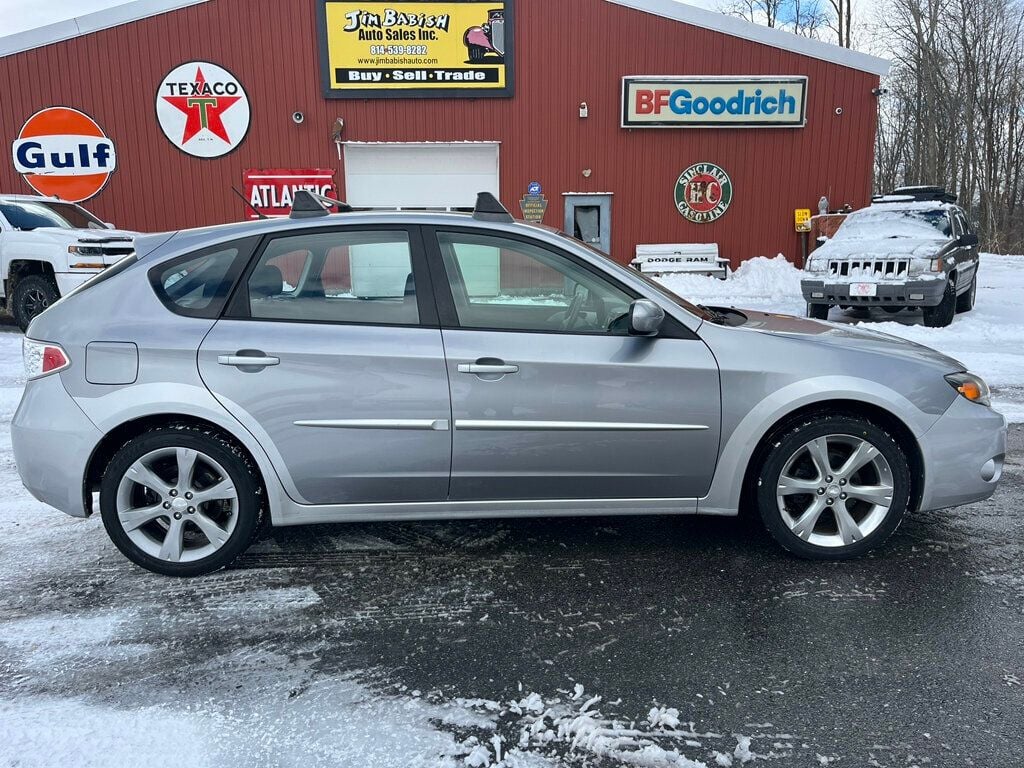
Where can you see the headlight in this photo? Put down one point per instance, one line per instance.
(815, 265)
(970, 386)
(42, 358)
(85, 250)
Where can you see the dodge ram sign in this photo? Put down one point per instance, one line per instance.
(713, 102)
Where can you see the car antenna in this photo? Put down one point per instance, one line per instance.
(259, 214)
(489, 208)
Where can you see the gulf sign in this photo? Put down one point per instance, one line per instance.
(714, 102)
(64, 153)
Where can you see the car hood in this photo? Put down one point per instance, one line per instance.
(849, 337)
(98, 236)
(882, 248)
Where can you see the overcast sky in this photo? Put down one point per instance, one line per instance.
(19, 15)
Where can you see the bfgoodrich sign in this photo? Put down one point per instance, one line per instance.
(713, 102)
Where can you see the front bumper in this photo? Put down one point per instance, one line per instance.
(906, 293)
(963, 455)
(53, 440)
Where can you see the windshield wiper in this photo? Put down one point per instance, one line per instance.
(718, 318)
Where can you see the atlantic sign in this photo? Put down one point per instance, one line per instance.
(714, 102)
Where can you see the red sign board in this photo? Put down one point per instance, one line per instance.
(64, 153)
(271, 190)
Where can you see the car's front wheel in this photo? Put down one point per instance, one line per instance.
(965, 302)
(833, 486)
(181, 500)
(942, 315)
(817, 311)
(32, 295)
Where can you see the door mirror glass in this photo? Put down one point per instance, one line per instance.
(968, 239)
(645, 318)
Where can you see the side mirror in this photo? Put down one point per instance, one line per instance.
(645, 317)
(968, 239)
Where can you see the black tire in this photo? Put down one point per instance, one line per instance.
(788, 442)
(892, 310)
(31, 296)
(817, 311)
(942, 315)
(477, 53)
(236, 463)
(965, 301)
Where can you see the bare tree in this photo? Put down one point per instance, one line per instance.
(954, 111)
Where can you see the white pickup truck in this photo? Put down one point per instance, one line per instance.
(48, 248)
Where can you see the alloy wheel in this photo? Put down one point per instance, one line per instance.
(177, 504)
(34, 302)
(835, 490)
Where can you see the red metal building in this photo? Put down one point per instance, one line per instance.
(553, 115)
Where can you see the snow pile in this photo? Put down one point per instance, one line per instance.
(989, 340)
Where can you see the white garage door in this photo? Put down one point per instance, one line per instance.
(419, 175)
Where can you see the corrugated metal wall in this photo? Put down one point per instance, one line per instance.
(567, 52)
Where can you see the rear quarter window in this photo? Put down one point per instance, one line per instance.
(199, 284)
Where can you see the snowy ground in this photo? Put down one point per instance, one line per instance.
(532, 643)
(989, 340)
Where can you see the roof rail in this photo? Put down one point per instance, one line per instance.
(309, 205)
(918, 194)
(488, 208)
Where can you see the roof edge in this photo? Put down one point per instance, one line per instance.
(776, 38)
(88, 23)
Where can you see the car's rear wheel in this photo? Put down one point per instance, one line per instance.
(832, 487)
(181, 500)
(942, 315)
(32, 295)
(477, 53)
(817, 311)
(965, 302)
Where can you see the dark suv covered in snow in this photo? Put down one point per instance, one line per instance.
(912, 248)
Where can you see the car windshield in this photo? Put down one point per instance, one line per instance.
(27, 215)
(876, 224)
(693, 309)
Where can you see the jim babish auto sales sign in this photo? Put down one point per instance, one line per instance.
(416, 49)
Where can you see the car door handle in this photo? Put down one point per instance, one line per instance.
(485, 369)
(246, 361)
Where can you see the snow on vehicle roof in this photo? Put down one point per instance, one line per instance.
(906, 203)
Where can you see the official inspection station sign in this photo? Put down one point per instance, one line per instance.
(416, 49)
(714, 102)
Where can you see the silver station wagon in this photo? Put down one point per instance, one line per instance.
(409, 366)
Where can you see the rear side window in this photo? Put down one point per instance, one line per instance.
(362, 277)
(198, 285)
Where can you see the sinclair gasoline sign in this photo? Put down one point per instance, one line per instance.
(714, 102)
(416, 49)
(703, 193)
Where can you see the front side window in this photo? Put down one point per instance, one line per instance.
(505, 284)
(336, 277)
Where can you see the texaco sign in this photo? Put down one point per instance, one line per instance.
(703, 193)
(202, 109)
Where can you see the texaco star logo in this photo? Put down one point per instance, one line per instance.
(202, 109)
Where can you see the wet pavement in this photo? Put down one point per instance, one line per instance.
(912, 656)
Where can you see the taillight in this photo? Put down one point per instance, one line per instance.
(43, 358)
